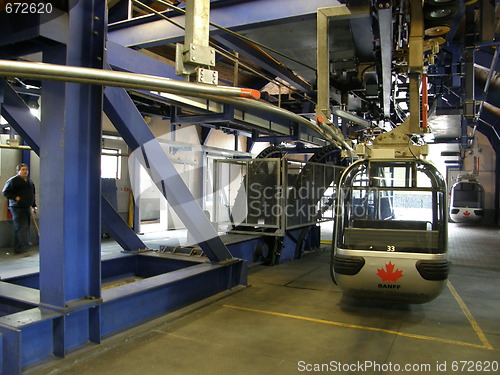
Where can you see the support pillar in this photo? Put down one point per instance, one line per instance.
(70, 144)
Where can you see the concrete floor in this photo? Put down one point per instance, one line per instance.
(292, 319)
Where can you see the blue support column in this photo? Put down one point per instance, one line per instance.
(70, 141)
(62, 308)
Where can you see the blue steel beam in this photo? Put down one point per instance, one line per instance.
(263, 60)
(27, 333)
(70, 144)
(205, 133)
(243, 15)
(267, 125)
(119, 229)
(70, 313)
(124, 306)
(33, 326)
(126, 59)
(25, 33)
(128, 121)
(19, 293)
(18, 115)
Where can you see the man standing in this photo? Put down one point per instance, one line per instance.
(20, 191)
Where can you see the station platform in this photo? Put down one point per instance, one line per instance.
(292, 319)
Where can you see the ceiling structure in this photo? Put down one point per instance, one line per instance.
(271, 46)
(460, 58)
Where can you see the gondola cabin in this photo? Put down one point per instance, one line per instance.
(391, 231)
(467, 202)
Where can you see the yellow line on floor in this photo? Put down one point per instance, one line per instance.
(347, 325)
(327, 242)
(468, 314)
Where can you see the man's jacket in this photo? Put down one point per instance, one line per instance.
(17, 187)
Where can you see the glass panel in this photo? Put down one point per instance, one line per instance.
(423, 179)
(381, 220)
(251, 193)
(228, 193)
(263, 196)
(395, 208)
(467, 194)
(247, 192)
(310, 192)
(110, 164)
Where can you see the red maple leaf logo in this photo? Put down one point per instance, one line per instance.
(466, 213)
(389, 274)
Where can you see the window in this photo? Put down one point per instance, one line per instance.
(110, 163)
(467, 194)
(397, 206)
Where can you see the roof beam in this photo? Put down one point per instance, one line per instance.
(149, 31)
(126, 59)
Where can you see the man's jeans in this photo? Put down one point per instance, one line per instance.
(21, 220)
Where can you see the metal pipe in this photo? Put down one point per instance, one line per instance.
(415, 63)
(20, 147)
(488, 80)
(385, 27)
(492, 128)
(350, 117)
(119, 79)
(490, 73)
(492, 108)
(400, 25)
(425, 102)
(231, 95)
